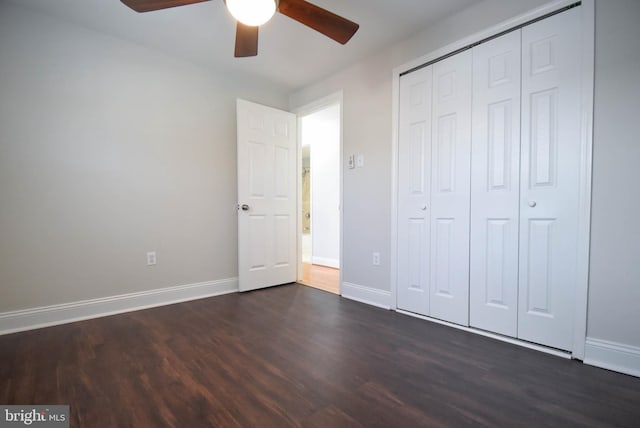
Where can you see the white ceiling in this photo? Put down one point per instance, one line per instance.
(290, 54)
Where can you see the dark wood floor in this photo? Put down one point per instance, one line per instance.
(295, 356)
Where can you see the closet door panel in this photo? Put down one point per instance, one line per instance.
(495, 185)
(450, 189)
(414, 184)
(550, 177)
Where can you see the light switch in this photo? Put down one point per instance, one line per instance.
(376, 259)
(351, 162)
(360, 160)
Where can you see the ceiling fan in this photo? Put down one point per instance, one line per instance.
(250, 14)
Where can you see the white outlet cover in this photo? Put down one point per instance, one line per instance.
(360, 160)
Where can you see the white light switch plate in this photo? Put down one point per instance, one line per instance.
(376, 259)
(351, 162)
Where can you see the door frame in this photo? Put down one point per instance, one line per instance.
(586, 140)
(305, 110)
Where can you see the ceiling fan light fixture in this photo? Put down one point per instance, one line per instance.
(252, 12)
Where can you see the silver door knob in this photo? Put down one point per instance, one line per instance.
(532, 204)
(423, 208)
(245, 207)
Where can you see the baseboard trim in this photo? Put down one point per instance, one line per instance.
(368, 295)
(323, 261)
(613, 356)
(29, 319)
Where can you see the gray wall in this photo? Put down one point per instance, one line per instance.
(109, 150)
(614, 287)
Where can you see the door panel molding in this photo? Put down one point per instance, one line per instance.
(495, 185)
(415, 192)
(587, 29)
(266, 196)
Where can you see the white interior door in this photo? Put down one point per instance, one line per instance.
(495, 185)
(450, 188)
(414, 187)
(266, 196)
(549, 205)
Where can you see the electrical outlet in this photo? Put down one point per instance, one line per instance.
(151, 258)
(376, 259)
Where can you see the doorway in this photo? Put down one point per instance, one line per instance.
(320, 183)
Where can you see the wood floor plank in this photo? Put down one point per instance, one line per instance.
(321, 277)
(331, 416)
(296, 356)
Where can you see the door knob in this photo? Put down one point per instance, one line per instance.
(532, 204)
(424, 207)
(245, 207)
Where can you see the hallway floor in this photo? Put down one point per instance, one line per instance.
(321, 277)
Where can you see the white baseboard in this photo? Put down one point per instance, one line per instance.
(368, 295)
(323, 261)
(29, 319)
(613, 356)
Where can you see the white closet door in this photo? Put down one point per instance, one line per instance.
(414, 162)
(495, 185)
(550, 179)
(450, 188)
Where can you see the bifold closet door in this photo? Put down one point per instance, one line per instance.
(450, 188)
(550, 180)
(414, 185)
(488, 205)
(495, 185)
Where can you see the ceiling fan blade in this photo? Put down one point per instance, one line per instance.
(246, 41)
(331, 25)
(151, 5)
